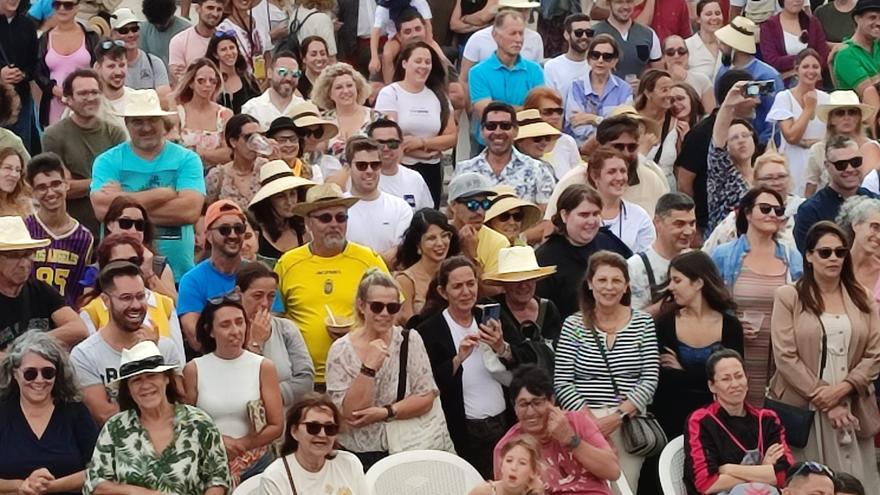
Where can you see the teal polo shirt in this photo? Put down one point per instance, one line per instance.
(490, 79)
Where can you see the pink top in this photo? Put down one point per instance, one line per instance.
(186, 46)
(563, 474)
(60, 66)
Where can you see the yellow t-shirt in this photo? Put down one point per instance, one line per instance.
(308, 283)
(489, 243)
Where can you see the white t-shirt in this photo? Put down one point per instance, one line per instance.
(418, 114)
(633, 226)
(639, 284)
(262, 109)
(785, 107)
(342, 474)
(408, 185)
(559, 72)
(382, 19)
(871, 182)
(699, 82)
(481, 45)
(186, 46)
(378, 224)
(483, 397)
(316, 24)
(564, 156)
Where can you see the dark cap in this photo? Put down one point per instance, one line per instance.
(863, 6)
(280, 124)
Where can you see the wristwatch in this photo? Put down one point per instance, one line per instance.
(573, 442)
(366, 370)
(391, 413)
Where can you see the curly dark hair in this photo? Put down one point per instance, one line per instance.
(158, 12)
(408, 251)
(205, 324)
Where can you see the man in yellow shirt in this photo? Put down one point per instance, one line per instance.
(325, 273)
(469, 199)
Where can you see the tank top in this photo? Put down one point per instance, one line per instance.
(60, 66)
(225, 386)
(192, 138)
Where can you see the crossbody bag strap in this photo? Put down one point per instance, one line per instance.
(652, 282)
(404, 359)
(289, 474)
(729, 433)
(605, 359)
(666, 124)
(824, 358)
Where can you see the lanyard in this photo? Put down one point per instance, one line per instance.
(736, 440)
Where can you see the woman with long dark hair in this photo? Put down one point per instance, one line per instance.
(315, 56)
(409, 99)
(239, 84)
(826, 348)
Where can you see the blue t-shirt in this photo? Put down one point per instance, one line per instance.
(204, 282)
(41, 10)
(177, 168)
(493, 80)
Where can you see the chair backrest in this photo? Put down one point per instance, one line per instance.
(249, 486)
(423, 472)
(671, 467)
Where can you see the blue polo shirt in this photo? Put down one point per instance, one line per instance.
(760, 71)
(824, 205)
(205, 282)
(490, 79)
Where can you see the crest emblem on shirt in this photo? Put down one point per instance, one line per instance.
(328, 286)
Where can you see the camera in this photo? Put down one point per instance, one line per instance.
(758, 88)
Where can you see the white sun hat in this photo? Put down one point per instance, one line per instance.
(14, 235)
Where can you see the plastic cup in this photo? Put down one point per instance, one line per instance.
(338, 329)
(755, 319)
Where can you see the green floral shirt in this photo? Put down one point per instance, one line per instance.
(194, 461)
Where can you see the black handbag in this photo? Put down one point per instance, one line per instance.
(798, 421)
(642, 434)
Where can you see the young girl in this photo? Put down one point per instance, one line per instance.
(520, 470)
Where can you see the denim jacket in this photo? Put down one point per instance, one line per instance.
(728, 258)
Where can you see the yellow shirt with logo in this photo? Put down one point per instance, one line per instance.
(489, 243)
(308, 283)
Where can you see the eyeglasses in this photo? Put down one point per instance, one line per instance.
(606, 56)
(129, 299)
(542, 139)
(108, 44)
(286, 139)
(811, 467)
(376, 307)
(491, 126)
(44, 188)
(128, 29)
(230, 297)
(626, 147)
(847, 112)
(391, 144)
(517, 216)
(671, 52)
(765, 208)
(476, 204)
(314, 428)
(128, 223)
(318, 133)
(30, 374)
(840, 165)
(363, 166)
(525, 404)
(227, 230)
(56, 5)
(284, 72)
(825, 253)
(549, 112)
(580, 33)
(134, 260)
(329, 217)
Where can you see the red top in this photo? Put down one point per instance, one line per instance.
(670, 17)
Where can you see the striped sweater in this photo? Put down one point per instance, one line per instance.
(581, 376)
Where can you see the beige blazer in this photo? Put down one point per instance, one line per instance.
(797, 339)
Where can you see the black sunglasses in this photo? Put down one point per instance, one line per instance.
(30, 374)
(825, 253)
(811, 467)
(391, 144)
(476, 204)
(318, 133)
(505, 126)
(765, 208)
(362, 166)
(230, 297)
(127, 223)
(314, 428)
(541, 139)
(108, 44)
(517, 216)
(56, 5)
(329, 217)
(671, 52)
(130, 29)
(376, 307)
(608, 57)
(626, 147)
(227, 230)
(580, 33)
(847, 112)
(854, 162)
(549, 112)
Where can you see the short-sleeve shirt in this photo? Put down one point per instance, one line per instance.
(560, 71)
(481, 45)
(64, 262)
(382, 19)
(194, 461)
(157, 42)
(853, 64)
(177, 168)
(147, 72)
(310, 283)
(186, 46)
(672, 17)
(532, 180)
(489, 244)
(837, 25)
(379, 224)
(418, 114)
(492, 80)
(204, 282)
(410, 186)
(318, 24)
(34, 305)
(342, 474)
(639, 284)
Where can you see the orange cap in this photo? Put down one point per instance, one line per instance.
(222, 207)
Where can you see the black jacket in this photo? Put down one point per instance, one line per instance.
(42, 76)
(18, 46)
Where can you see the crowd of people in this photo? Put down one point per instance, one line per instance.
(231, 246)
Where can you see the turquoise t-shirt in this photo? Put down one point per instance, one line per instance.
(177, 168)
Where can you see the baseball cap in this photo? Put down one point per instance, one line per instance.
(469, 184)
(222, 207)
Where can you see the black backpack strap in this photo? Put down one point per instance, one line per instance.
(404, 358)
(652, 282)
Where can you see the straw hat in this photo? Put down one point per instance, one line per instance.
(144, 357)
(532, 125)
(323, 196)
(507, 200)
(306, 114)
(122, 17)
(14, 235)
(517, 264)
(844, 99)
(739, 35)
(276, 177)
(143, 103)
(651, 125)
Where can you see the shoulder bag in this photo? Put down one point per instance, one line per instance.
(289, 474)
(426, 432)
(642, 434)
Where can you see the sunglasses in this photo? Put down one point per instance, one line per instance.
(825, 253)
(580, 33)
(854, 162)
(517, 216)
(606, 56)
(811, 467)
(108, 44)
(226, 230)
(476, 204)
(505, 126)
(363, 166)
(376, 307)
(765, 208)
(284, 71)
(128, 223)
(134, 260)
(671, 52)
(626, 147)
(286, 139)
(318, 133)
(234, 297)
(229, 33)
(847, 112)
(329, 217)
(30, 374)
(314, 428)
(130, 29)
(541, 139)
(549, 112)
(391, 144)
(63, 5)
(804, 37)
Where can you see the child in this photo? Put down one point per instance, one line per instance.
(520, 470)
(387, 13)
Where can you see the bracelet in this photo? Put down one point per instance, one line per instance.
(367, 371)
(391, 413)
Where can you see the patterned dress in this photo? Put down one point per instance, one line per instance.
(724, 185)
(192, 463)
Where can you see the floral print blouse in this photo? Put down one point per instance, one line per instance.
(194, 461)
(220, 184)
(725, 186)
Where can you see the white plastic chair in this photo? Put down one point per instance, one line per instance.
(423, 472)
(250, 486)
(620, 486)
(671, 467)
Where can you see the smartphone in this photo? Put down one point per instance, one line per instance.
(490, 311)
(758, 88)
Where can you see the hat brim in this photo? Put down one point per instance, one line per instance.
(736, 40)
(539, 129)
(32, 244)
(824, 111)
(330, 129)
(478, 192)
(507, 203)
(496, 278)
(158, 369)
(279, 185)
(304, 209)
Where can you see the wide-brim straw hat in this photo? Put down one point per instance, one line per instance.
(651, 125)
(323, 196)
(275, 177)
(14, 235)
(144, 357)
(517, 264)
(532, 125)
(739, 35)
(306, 114)
(507, 200)
(845, 99)
(143, 103)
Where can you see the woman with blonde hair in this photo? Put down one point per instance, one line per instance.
(340, 92)
(565, 154)
(202, 120)
(15, 194)
(859, 217)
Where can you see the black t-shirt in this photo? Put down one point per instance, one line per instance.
(35, 304)
(694, 158)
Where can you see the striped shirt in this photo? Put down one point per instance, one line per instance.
(581, 376)
(63, 263)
